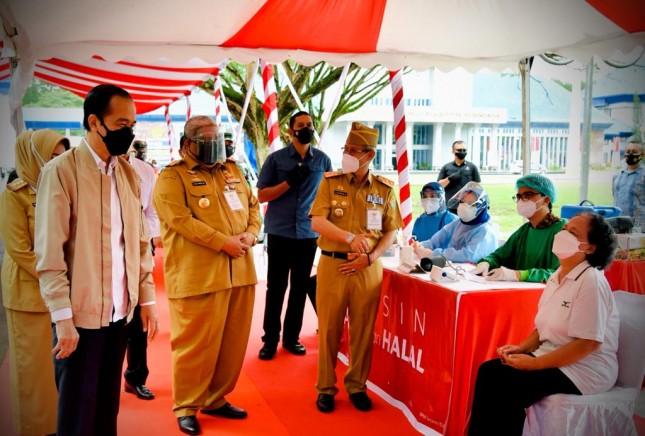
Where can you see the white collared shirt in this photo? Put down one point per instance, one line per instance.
(582, 306)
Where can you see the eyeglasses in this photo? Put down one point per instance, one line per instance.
(460, 150)
(632, 153)
(202, 141)
(524, 197)
(352, 151)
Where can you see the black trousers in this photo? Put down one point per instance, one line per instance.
(89, 382)
(137, 371)
(287, 258)
(502, 393)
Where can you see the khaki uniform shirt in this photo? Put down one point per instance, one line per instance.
(346, 205)
(196, 219)
(20, 290)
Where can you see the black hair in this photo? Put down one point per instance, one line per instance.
(97, 101)
(292, 120)
(601, 234)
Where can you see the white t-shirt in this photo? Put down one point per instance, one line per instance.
(581, 307)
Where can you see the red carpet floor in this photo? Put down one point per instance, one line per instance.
(278, 394)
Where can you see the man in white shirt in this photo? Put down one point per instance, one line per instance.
(136, 372)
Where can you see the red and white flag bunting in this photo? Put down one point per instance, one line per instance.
(169, 131)
(270, 106)
(402, 164)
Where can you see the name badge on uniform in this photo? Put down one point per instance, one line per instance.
(233, 200)
(374, 219)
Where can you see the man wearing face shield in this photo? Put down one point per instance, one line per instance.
(435, 215)
(454, 175)
(628, 186)
(470, 237)
(289, 181)
(357, 216)
(527, 254)
(209, 224)
(93, 262)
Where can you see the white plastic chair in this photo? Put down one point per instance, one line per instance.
(609, 413)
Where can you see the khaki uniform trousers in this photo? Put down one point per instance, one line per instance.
(33, 388)
(208, 338)
(359, 296)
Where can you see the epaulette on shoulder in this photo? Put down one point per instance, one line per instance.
(333, 174)
(174, 162)
(384, 180)
(17, 185)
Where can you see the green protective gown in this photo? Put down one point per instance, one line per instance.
(528, 250)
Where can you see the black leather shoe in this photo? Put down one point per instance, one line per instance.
(297, 348)
(325, 403)
(361, 401)
(227, 411)
(140, 391)
(267, 352)
(189, 424)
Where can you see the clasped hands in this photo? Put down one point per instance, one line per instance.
(498, 274)
(237, 245)
(358, 257)
(515, 357)
(297, 175)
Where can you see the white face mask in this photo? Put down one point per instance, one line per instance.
(467, 212)
(527, 208)
(431, 205)
(565, 245)
(350, 164)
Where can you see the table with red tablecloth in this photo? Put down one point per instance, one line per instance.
(430, 339)
(626, 275)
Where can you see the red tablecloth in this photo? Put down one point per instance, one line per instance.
(627, 275)
(429, 342)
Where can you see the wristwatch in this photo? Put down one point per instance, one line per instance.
(349, 239)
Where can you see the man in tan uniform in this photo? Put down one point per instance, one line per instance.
(209, 222)
(357, 215)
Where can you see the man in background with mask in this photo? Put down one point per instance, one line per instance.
(435, 215)
(289, 181)
(454, 175)
(357, 216)
(136, 372)
(527, 254)
(628, 186)
(209, 224)
(469, 238)
(93, 262)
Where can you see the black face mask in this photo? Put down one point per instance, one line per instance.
(304, 135)
(210, 151)
(117, 141)
(461, 156)
(229, 150)
(633, 159)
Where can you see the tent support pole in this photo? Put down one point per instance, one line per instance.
(525, 72)
(586, 133)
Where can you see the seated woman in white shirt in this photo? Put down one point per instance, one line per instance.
(573, 347)
(469, 238)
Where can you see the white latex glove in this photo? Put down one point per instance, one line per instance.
(481, 269)
(423, 252)
(503, 274)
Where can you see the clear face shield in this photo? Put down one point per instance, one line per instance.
(481, 203)
(210, 150)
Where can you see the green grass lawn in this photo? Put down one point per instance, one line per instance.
(502, 209)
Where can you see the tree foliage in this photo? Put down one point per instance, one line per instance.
(41, 94)
(311, 83)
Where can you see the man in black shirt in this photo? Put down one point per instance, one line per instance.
(454, 175)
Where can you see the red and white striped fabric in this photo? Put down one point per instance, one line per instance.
(189, 110)
(169, 131)
(402, 165)
(151, 86)
(217, 93)
(270, 106)
(5, 67)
